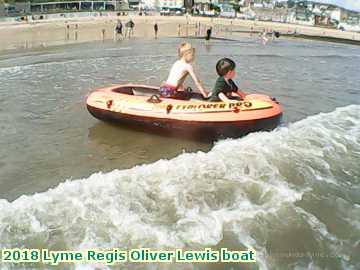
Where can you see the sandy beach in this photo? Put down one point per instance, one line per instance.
(23, 35)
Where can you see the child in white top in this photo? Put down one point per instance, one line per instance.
(174, 86)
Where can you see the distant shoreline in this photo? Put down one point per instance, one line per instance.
(314, 37)
(50, 32)
(327, 39)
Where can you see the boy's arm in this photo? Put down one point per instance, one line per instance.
(223, 98)
(219, 87)
(238, 91)
(239, 94)
(197, 82)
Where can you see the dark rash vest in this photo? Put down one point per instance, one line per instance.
(221, 86)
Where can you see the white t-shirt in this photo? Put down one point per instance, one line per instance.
(178, 71)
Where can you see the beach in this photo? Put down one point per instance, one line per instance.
(86, 29)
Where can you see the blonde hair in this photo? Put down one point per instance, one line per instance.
(185, 48)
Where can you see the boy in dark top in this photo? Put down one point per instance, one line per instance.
(225, 89)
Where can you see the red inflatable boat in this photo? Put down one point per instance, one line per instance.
(141, 105)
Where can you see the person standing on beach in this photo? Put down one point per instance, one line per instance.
(76, 31)
(132, 25)
(126, 29)
(118, 30)
(103, 34)
(129, 28)
(156, 29)
(67, 32)
(208, 34)
(263, 37)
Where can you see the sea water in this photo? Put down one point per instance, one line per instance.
(70, 182)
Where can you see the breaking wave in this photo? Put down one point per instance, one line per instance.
(250, 190)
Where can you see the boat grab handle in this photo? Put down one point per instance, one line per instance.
(154, 99)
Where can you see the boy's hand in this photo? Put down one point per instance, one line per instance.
(206, 94)
(241, 94)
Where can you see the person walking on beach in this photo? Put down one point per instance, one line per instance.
(263, 37)
(67, 32)
(126, 29)
(76, 31)
(132, 25)
(103, 31)
(118, 30)
(208, 34)
(156, 29)
(129, 28)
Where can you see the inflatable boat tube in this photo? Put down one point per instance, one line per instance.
(142, 105)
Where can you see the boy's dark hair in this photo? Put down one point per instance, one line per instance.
(224, 65)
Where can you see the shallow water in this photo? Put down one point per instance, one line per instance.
(294, 190)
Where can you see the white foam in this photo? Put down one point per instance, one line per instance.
(189, 200)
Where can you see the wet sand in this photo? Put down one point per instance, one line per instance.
(55, 32)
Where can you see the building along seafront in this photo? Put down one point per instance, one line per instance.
(23, 8)
(322, 15)
(307, 13)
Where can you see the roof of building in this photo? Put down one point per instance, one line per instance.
(353, 6)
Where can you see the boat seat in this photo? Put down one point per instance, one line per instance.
(150, 92)
(144, 92)
(196, 100)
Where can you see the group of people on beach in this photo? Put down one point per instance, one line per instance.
(264, 35)
(129, 29)
(75, 30)
(224, 90)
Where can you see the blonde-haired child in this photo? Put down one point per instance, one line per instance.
(174, 85)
